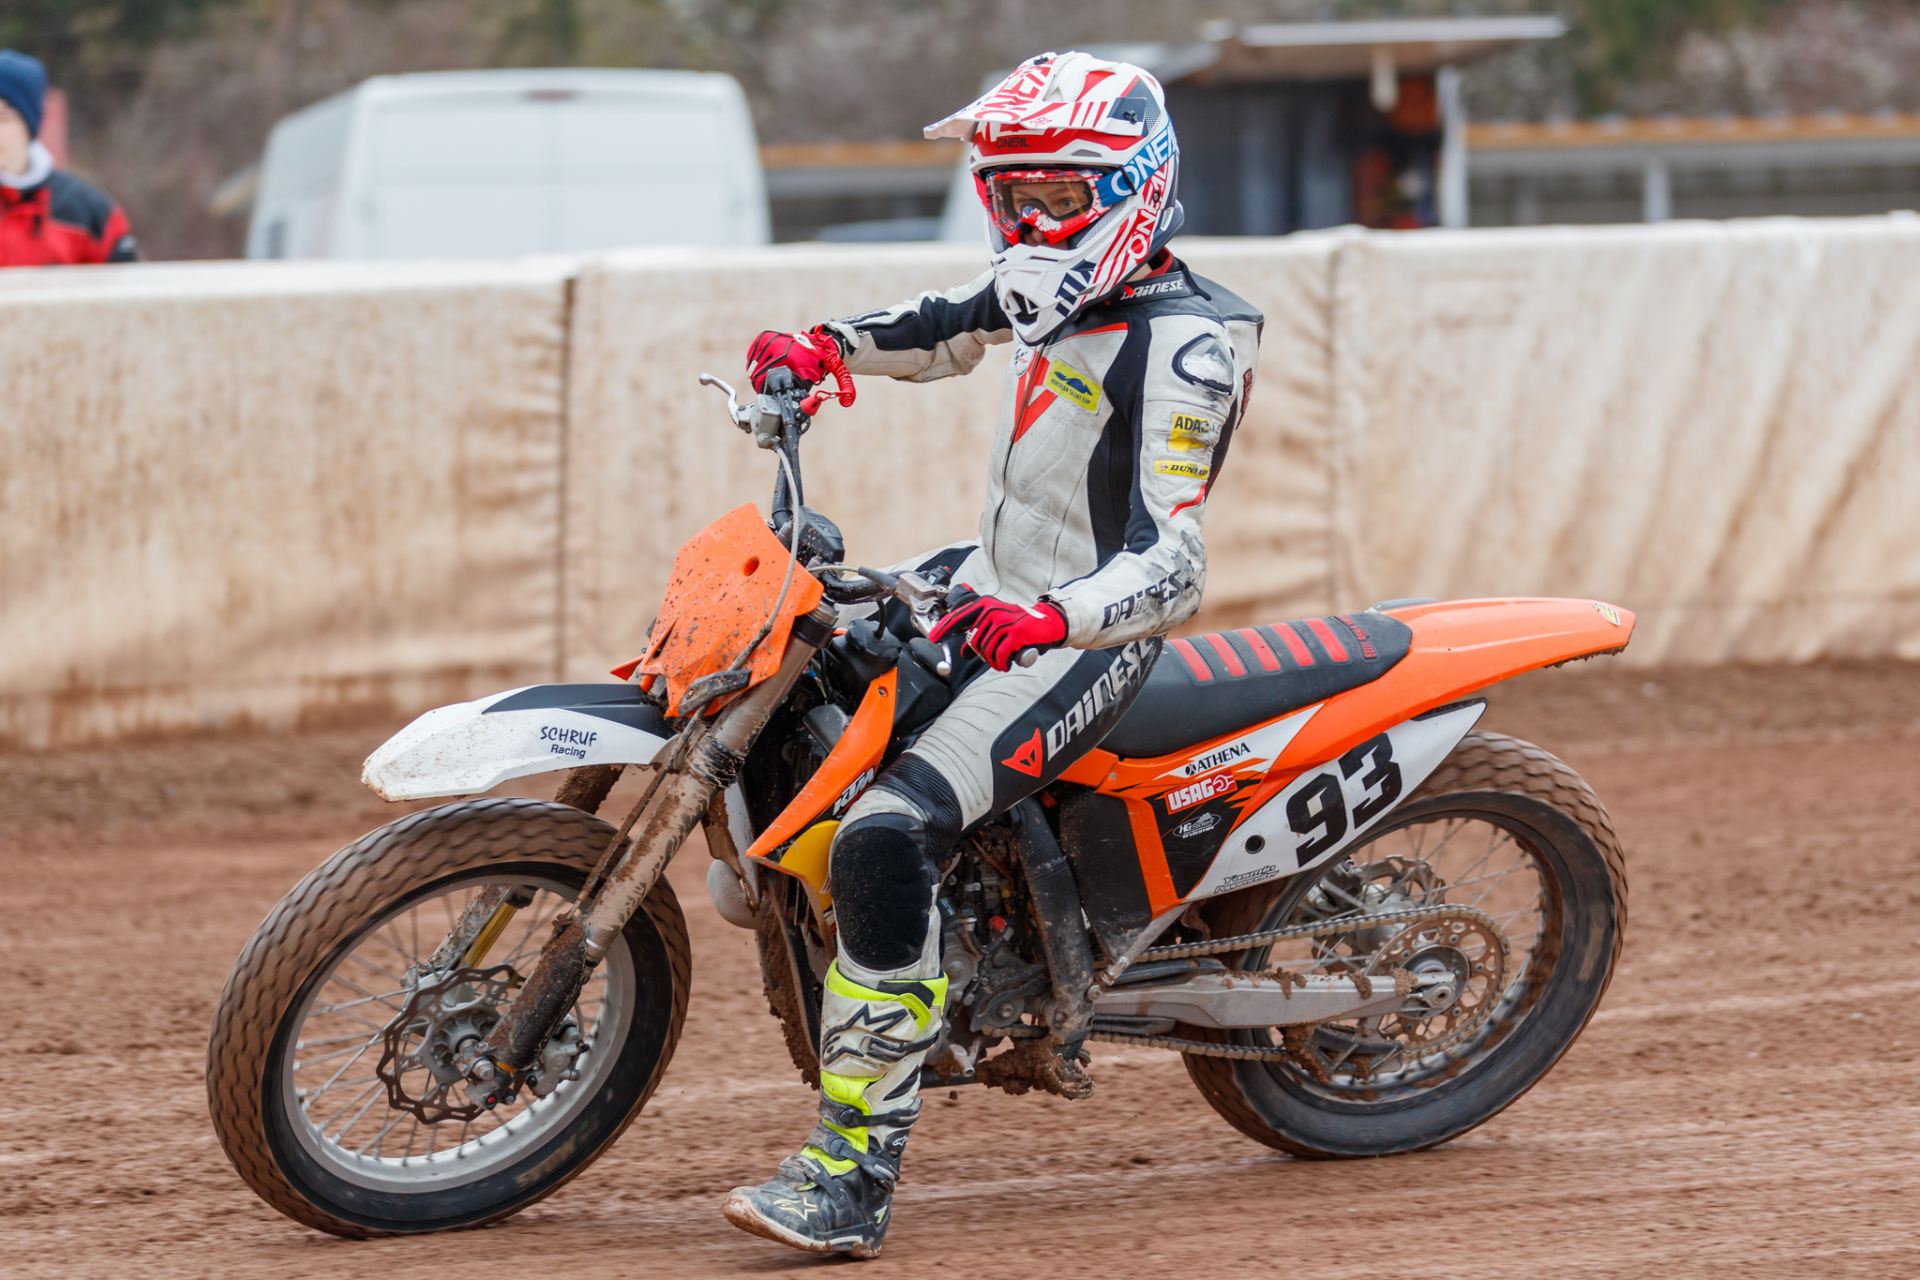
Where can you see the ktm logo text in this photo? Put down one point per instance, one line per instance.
(858, 785)
(1207, 788)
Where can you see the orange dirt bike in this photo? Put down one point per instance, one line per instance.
(1364, 926)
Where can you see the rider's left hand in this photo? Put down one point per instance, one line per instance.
(809, 355)
(998, 630)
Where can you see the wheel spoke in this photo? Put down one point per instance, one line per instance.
(385, 998)
(372, 1086)
(326, 1042)
(356, 1048)
(379, 1137)
(360, 957)
(335, 1077)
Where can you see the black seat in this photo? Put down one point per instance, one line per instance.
(1202, 687)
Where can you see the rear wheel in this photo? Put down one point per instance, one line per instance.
(1502, 827)
(332, 1009)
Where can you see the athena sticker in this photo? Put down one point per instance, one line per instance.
(1205, 363)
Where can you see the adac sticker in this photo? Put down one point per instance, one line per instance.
(1069, 382)
(1176, 467)
(1191, 432)
(1608, 612)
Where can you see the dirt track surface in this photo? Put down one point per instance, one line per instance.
(1746, 1103)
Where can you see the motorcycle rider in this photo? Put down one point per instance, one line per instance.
(1129, 376)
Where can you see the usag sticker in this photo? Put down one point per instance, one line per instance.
(1065, 380)
(1190, 432)
(1174, 467)
(1608, 612)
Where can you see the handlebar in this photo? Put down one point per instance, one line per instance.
(777, 419)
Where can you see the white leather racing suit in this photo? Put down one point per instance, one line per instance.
(1111, 433)
(1109, 437)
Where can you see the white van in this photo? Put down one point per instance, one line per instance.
(462, 164)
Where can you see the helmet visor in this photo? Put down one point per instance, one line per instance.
(1041, 206)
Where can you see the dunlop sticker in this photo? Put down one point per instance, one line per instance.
(1070, 383)
(1191, 433)
(1176, 467)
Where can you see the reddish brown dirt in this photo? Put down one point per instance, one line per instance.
(1745, 1103)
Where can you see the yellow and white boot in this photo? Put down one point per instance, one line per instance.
(834, 1195)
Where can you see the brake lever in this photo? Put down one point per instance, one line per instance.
(737, 413)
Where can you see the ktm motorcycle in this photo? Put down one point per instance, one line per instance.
(1366, 927)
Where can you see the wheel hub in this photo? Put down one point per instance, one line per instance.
(1459, 967)
(429, 1048)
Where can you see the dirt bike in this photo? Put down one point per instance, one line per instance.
(1366, 927)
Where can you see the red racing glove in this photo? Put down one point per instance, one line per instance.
(998, 630)
(809, 355)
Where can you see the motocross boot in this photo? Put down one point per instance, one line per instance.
(834, 1195)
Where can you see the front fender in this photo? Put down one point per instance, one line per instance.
(473, 746)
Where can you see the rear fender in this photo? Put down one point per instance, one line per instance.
(1459, 647)
(473, 746)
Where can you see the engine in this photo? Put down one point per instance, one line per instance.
(989, 947)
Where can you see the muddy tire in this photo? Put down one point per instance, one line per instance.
(1553, 815)
(341, 903)
(786, 998)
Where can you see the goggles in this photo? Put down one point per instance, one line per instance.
(1056, 204)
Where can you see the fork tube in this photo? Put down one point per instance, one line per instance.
(711, 766)
(484, 917)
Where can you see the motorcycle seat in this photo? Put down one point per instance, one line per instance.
(1202, 687)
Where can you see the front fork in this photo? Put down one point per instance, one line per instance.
(706, 761)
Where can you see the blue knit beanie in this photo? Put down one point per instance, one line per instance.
(23, 86)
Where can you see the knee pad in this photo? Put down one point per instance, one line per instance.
(882, 877)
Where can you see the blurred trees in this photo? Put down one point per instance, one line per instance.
(172, 97)
(99, 46)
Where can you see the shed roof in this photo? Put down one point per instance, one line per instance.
(1338, 50)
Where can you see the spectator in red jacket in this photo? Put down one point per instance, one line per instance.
(48, 217)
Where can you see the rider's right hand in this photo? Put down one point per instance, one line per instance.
(808, 355)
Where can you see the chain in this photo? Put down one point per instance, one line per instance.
(1341, 924)
(1199, 1048)
(1243, 941)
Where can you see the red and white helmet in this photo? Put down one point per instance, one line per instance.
(1096, 135)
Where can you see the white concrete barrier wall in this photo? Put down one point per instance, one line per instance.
(268, 494)
(241, 495)
(1717, 424)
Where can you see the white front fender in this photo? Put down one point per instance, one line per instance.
(473, 746)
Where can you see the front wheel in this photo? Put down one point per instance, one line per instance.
(324, 1021)
(1503, 828)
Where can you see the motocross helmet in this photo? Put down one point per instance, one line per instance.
(1075, 160)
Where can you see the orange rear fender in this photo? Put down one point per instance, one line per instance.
(1459, 647)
